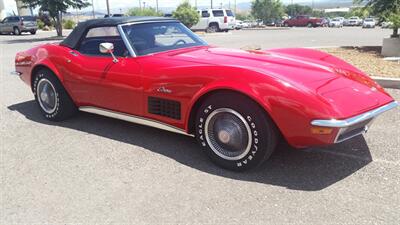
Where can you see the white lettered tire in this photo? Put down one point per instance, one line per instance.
(235, 132)
(51, 97)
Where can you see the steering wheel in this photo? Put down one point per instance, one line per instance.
(180, 41)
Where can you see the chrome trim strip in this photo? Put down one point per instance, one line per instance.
(356, 119)
(15, 73)
(133, 119)
(126, 41)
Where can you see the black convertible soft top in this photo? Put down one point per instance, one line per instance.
(73, 39)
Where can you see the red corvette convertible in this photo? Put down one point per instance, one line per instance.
(238, 104)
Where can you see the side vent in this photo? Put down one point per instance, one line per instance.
(164, 107)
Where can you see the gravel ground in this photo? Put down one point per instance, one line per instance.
(368, 59)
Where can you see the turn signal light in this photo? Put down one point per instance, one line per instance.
(321, 130)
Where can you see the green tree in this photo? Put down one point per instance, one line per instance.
(187, 14)
(267, 9)
(243, 16)
(385, 9)
(143, 12)
(296, 9)
(362, 12)
(56, 8)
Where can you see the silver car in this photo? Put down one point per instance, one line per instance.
(18, 24)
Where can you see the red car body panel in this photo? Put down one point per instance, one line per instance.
(294, 86)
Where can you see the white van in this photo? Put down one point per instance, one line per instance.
(213, 20)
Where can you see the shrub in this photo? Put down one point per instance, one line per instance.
(68, 24)
(186, 14)
(143, 12)
(40, 24)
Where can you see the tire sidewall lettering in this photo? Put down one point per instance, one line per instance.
(254, 135)
(35, 83)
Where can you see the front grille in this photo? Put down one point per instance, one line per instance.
(164, 107)
(352, 131)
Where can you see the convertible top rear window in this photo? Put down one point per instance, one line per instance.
(148, 38)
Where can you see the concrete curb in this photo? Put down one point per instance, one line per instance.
(388, 82)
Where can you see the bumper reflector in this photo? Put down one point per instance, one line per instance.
(321, 130)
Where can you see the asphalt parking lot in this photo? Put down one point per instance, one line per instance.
(96, 170)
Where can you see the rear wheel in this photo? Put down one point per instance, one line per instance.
(16, 31)
(212, 28)
(309, 25)
(235, 132)
(54, 102)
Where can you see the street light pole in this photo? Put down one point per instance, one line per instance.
(108, 8)
(93, 10)
(157, 6)
(211, 3)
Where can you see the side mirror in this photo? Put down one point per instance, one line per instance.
(108, 48)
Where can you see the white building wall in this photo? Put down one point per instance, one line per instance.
(22, 11)
(2, 10)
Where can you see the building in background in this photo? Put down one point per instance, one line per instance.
(21, 10)
(11, 7)
(2, 10)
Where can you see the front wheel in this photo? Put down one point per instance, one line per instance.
(33, 32)
(235, 132)
(53, 100)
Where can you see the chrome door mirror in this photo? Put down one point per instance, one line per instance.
(108, 48)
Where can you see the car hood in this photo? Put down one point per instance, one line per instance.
(305, 69)
(302, 66)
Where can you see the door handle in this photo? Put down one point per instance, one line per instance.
(73, 53)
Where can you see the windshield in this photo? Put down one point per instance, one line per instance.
(368, 20)
(148, 38)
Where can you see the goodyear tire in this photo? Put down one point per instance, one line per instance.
(235, 132)
(51, 97)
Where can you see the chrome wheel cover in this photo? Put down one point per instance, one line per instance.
(47, 96)
(228, 134)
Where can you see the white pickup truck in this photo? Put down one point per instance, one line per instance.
(213, 20)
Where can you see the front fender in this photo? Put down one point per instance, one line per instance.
(290, 107)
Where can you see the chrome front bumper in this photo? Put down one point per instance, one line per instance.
(15, 73)
(356, 125)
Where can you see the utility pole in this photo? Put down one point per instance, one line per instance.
(140, 4)
(108, 8)
(235, 8)
(211, 3)
(94, 16)
(157, 6)
(195, 4)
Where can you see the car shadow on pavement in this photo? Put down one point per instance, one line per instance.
(307, 170)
